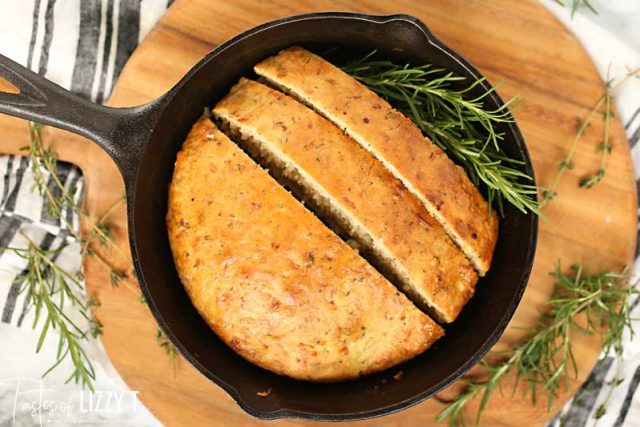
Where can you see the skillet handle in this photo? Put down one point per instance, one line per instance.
(121, 132)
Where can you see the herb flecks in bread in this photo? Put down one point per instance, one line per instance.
(349, 184)
(426, 171)
(272, 281)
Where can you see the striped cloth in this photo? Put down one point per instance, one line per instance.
(22, 217)
(609, 396)
(83, 45)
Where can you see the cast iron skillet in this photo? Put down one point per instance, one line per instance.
(143, 142)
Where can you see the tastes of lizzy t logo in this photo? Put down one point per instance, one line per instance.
(32, 403)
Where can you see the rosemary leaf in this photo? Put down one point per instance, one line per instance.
(43, 166)
(168, 347)
(545, 361)
(456, 121)
(116, 277)
(605, 146)
(44, 279)
(102, 233)
(577, 4)
(47, 287)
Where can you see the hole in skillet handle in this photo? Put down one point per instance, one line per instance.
(481, 323)
(8, 87)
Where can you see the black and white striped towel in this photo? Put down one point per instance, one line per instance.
(84, 44)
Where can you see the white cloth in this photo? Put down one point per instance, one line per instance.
(612, 39)
(81, 45)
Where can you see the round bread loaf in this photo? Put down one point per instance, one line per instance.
(273, 281)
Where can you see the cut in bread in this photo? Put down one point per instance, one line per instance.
(350, 185)
(441, 185)
(275, 283)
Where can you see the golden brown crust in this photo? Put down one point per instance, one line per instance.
(432, 268)
(441, 185)
(272, 281)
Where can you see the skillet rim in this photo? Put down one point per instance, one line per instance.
(488, 343)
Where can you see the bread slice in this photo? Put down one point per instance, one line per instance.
(272, 281)
(347, 183)
(441, 185)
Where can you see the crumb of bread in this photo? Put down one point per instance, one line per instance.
(265, 393)
(399, 376)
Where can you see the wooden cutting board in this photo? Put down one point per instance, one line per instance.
(519, 42)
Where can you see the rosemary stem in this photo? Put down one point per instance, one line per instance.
(457, 121)
(112, 209)
(565, 164)
(545, 360)
(606, 99)
(112, 243)
(43, 278)
(606, 148)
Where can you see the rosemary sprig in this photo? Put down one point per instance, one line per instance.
(100, 235)
(49, 287)
(604, 103)
(457, 121)
(604, 147)
(545, 361)
(170, 350)
(43, 162)
(577, 4)
(602, 408)
(43, 165)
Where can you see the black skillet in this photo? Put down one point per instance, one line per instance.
(143, 142)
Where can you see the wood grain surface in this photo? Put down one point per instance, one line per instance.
(519, 42)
